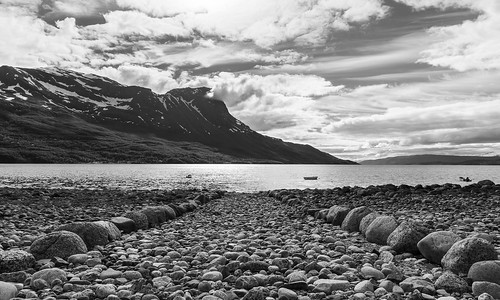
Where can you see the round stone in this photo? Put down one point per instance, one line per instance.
(60, 243)
(464, 253)
(435, 245)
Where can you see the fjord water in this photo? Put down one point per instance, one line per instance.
(240, 178)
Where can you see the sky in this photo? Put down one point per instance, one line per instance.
(359, 79)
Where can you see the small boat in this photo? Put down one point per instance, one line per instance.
(189, 176)
(466, 179)
(311, 178)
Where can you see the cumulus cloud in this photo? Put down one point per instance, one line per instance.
(472, 45)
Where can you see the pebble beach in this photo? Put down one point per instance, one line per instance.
(379, 242)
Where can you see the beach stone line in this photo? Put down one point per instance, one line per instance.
(353, 218)
(380, 228)
(336, 214)
(59, 243)
(140, 219)
(366, 221)
(406, 237)
(48, 275)
(435, 245)
(93, 234)
(481, 287)
(15, 260)
(464, 253)
(126, 225)
(488, 270)
(7, 290)
(155, 215)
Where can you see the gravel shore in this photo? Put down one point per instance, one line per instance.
(267, 245)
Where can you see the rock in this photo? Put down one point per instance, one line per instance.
(480, 287)
(113, 231)
(370, 272)
(212, 276)
(329, 285)
(336, 214)
(464, 253)
(49, 276)
(93, 234)
(140, 219)
(417, 283)
(256, 293)
(286, 294)
(110, 273)
(486, 182)
(406, 237)
(126, 225)
(485, 296)
(60, 243)
(488, 270)
(380, 228)
(364, 286)
(78, 259)
(435, 245)
(366, 221)
(7, 290)
(104, 290)
(19, 276)
(353, 218)
(15, 260)
(155, 215)
(451, 283)
(255, 266)
(246, 282)
(170, 212)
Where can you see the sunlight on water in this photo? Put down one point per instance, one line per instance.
(242, 178)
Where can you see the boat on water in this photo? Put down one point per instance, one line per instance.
(189, 176)
(311, 178)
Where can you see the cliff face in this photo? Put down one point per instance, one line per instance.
(54, 115)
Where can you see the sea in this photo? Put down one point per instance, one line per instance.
(233, 177)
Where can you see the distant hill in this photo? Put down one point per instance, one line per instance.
(62, 116)
(429, 159)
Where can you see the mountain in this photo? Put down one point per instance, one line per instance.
(62, 116)
(429, 159)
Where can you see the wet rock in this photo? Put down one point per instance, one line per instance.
(336, 214)
(480, 287)
(140, 219)
(435, 245)
(451, 283)
(485, 271)
(380, 228)
(353, 218)
(406, 237)
(60, 243)
(463, 254)
(15, 260)
(7, 290)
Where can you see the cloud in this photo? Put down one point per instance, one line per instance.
(266, 23)
(472, 45)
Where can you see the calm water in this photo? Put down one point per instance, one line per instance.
(233, 177)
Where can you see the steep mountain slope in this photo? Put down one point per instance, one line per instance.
(54, 115)
(429, 159)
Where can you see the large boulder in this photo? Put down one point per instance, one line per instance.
(488, 270)
(170, 212)
(464, 253)
(7, 290)
(451, 283)
(406, 237)
(155, 215)
(379, 230)
(124, 224)
(366, 221)
(59, 243)
(480, 287)
(93, 234)
(15, 260)
(353, 218)
(140, 219)
(435, 245)
(336, 214)
(113, 231)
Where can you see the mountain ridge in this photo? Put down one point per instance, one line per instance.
(434, 159)
(76, 115)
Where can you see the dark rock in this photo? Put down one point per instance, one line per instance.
(488, 270)
(126, 225)
(19, 276)
(59, 243)
(380, 229)
(113, 231)
(49, 275)
(406, 237)
(480, 287)
(92, 234)
(336, 214)
(366, 221)
(255, 266)
(463, 254)
(451, 283)
(140, 219)
(353, 218)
